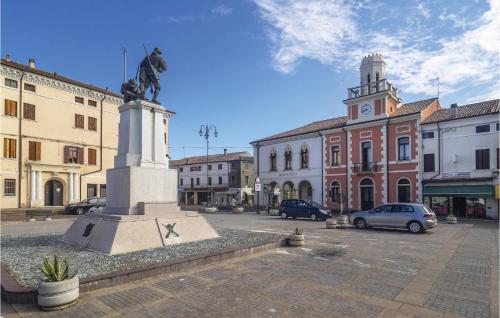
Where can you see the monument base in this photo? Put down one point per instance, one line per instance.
(116, 234)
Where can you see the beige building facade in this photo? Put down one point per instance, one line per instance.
(58, 137)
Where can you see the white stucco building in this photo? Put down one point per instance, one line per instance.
(290, 164)
(460, 156)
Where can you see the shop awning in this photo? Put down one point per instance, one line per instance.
(460, 191)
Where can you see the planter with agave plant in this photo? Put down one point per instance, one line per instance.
(296, 238)
(451, 219)
(59, 290)
(331, 223)
(238, 209)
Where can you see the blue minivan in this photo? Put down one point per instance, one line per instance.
(297, 208)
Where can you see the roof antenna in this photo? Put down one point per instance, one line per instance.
(438, 84)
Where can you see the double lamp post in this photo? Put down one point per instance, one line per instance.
(204, 132)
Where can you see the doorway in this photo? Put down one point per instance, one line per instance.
(53, 193)
(366, 193)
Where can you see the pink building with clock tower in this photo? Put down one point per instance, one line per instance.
(374, 158)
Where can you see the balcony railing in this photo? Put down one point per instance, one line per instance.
(371, 88)
(366, 167)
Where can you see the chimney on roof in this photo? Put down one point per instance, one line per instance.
(7, 57)
(453, 108)
(225, 152)
(31, 63)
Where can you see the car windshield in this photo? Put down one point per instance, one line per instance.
(315, 205)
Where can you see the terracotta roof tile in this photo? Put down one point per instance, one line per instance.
(465, 111)
(211, 158)
(413, 108)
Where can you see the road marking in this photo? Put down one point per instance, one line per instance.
(284, 233)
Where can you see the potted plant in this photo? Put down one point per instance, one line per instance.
(210, 208)
(451, 219)
(59, 290)
(331, 223)
(238, 209)
(296, 238)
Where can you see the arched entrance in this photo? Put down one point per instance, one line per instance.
(288, 190)
(366, 194)
(273, 194)
(53, 193)
(305, 190)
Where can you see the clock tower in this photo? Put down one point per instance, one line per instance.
(375, 97)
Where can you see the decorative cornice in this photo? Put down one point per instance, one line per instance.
(49, 82)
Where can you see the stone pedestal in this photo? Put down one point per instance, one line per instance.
(142, 210)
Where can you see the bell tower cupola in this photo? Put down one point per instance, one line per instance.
(372, 69)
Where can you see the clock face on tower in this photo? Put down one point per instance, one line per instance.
(366, 109)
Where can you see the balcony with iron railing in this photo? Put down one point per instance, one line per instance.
(366, 167)
(371, 88)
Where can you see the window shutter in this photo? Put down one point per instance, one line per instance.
(38, 151)
(13, 148)
(5, 147)
(486, 159)
(32, 150)
(66, 154)
(80, 155)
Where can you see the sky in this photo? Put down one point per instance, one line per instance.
(254, 68)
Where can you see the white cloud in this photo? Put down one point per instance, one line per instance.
(330, 31)
(222, 10)
(423, 10)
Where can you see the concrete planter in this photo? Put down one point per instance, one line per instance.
(451, 220)
(296, 240)
(331, 223)
(238, 210)
(343, 219)
(210, 209)
(58, 295)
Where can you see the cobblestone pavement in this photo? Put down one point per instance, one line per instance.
(451, 271)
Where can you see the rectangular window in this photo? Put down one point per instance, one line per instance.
(273, 162)
(9, 187)
(35, 148)
(29, 111)
(10, 108)
(498, 158)
(209, 180)
(429, 162)
(335, 155)
(92, 153)
(498, 126)
(209, 167)
(366, 155)
(10, 83)
(73, 154)
(181, 169)
(181, 181)
(79, 100)
(219, 166)
(79, 121)
(91, 190)
(197, 181)
(220, 180)
(92, 123)
(246, 180)
(9, 147)
(404, 148)
(482, 129)
(427, 135)
(192, 182)
(92, 103)
(29, 87)
(482, 159)
(233, 180)
(102, 190)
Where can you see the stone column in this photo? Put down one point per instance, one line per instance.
(70, 188)
(39, 185)
(76, 186)
(33, 186)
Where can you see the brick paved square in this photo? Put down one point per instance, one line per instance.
(179, 284)
(167, 308)
(460, 306)
(122, 300)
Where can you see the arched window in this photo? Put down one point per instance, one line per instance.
(288, 158)
(377, 77)
(335, 191)
(304, 157)
(288, 190)
(272, 160)
(404, 191)
(368, 78)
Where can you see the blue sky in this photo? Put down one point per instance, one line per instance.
(256, 68)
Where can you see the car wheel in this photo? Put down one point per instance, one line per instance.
(80, 211)
(314, 217)
(415, 227)
(360, 224)
(284, 215)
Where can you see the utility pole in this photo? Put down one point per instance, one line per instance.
(124, 52)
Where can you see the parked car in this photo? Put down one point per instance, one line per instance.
(98, 208)
(412, 216)
(297, 208)
(83, 206)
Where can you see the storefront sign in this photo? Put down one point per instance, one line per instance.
(457, 174)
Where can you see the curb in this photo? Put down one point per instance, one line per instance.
(13, 293)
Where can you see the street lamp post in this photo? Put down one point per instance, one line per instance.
(205, 133)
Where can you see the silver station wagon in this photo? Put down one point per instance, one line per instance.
(412, 216)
